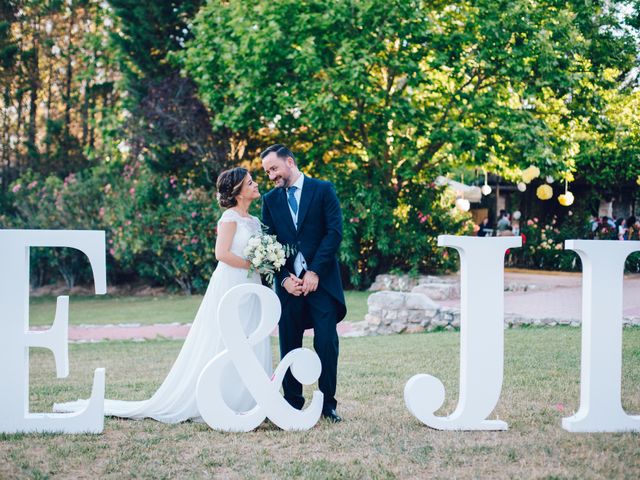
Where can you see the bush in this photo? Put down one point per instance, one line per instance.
(52, 203)
(161, 227)
(397, 230)
(157, 227)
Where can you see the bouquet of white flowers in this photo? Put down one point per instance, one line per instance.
(266, 255)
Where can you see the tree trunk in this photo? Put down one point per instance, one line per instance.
(34, 86)
(84, 113)
(67, 100)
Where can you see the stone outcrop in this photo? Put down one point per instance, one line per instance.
(398, 312)
(414, 312)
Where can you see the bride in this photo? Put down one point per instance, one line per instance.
(175, 400)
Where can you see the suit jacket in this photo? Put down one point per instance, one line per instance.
(318, 235)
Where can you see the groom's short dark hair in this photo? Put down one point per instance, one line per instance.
(281, 151)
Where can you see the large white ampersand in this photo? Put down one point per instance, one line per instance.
(304, 363)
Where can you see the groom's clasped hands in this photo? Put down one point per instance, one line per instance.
(302, 286)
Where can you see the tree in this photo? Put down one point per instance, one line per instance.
(380, 96)
(167, 123)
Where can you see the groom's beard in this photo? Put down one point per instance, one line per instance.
(283, 182)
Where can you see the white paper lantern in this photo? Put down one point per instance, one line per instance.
(516, 215)
(463, 204)
(522, 186)
(486, 189)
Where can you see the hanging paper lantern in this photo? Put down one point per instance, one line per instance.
(530, 173)
(486, 189)
(549, 179)
(544, 192)
(638, 180)
(566, 199)
(522, 186)
(516, 215)
(463, 204)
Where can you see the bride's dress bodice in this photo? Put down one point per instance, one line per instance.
(246, 228)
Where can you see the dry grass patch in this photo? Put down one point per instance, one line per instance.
(378, 439)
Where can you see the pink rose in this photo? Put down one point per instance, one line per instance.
(16, 188)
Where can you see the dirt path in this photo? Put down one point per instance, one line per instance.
(176, 331)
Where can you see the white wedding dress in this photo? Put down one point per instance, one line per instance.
(175, 400)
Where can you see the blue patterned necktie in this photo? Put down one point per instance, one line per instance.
(291, 197)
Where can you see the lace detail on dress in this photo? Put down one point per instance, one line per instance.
(246, 228)
(250, 222)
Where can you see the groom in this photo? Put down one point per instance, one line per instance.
(304, 213)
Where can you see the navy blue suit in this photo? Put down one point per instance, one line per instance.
(317, 236)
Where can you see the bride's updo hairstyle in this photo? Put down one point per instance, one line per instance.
(229, 185)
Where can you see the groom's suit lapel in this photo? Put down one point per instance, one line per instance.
(308, 191)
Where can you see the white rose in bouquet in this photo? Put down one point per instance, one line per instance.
(266, 255)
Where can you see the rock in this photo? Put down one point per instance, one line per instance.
(437, 291)
(386, 300)
(415, 329)
(419, 301)
(416, 316)
(398, 327)
(391, 315)
(439, 322)
(373, 320)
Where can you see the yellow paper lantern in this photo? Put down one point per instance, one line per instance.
(544, 192)
(638, 180)
(566, 199)
(530, 173)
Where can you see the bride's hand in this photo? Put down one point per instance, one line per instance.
(293, 285)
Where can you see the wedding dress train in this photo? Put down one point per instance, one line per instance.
(175, 400)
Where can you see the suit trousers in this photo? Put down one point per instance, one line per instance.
(318, 309)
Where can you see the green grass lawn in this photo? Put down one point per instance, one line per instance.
(105, 309)
(378, 439)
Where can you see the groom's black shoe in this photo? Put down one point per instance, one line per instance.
(332, 416)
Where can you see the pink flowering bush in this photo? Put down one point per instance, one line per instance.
(162, 228)
(72, 203)
(157, 227)
(543, 243)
